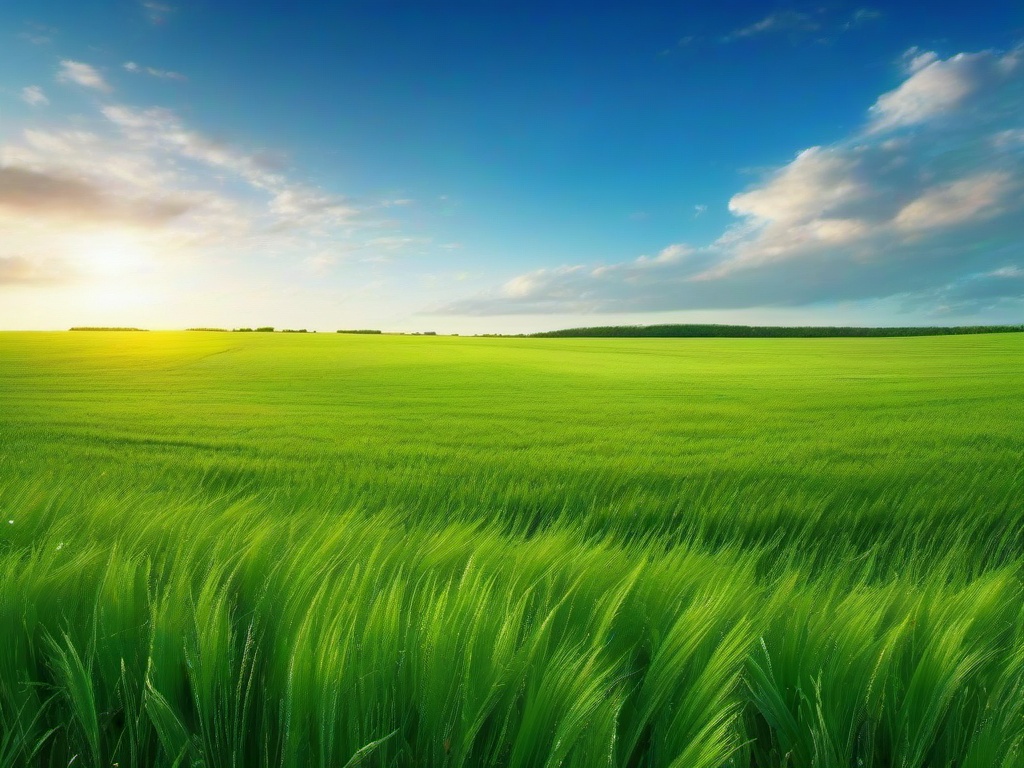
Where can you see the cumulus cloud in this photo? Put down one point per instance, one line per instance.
(926, 201)
(33, 95)
(162, 74)
(81, 74)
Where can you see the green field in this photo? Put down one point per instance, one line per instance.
(336, 550)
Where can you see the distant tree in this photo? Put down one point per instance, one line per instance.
(752, 331)
(265, 329)
(103, 328)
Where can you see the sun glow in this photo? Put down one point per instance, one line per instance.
(116, 266)
(110, 254)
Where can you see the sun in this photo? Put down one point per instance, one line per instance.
(110, 254)
(115, 266)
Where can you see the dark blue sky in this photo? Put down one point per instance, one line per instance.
(440, 164)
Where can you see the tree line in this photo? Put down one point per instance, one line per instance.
(766, 331)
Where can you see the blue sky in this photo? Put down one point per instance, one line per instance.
(485, 167)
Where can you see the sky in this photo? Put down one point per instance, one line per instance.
(485, 167)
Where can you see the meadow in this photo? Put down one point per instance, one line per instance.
(330, 550)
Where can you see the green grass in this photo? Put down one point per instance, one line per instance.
(371, 550)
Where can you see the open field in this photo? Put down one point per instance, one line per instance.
(335, 550)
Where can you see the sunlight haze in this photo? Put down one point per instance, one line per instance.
(479, 168)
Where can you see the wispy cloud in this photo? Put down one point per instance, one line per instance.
(144, 174)
(861, 17)
(157, 12)
(780, 21)
(925, 202)
(82, 74)
(38, 34)
(34, 96)
(820, 22)
(162, 74)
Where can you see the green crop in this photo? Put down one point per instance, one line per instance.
(277, 550)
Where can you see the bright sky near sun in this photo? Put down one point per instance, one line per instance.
(509, 167)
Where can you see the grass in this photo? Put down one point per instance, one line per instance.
(363, 550)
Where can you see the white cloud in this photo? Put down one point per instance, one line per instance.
(523, 285)
(915, 59)
(780, 21)
(38, 34)
(158, 129)
(34, 96)
(1010, 139)
(144, 176)
(888, 212)
(818, 180)
(157, 12)
(939, 87)
(668, 255)
(860, 17)
(162, 74)
(82, 74)
(819, 22)
(974, 198)
(1007, 272)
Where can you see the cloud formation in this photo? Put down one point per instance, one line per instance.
(81, 74)
(780, 21)
(797, 24)
(133, 180)
(982, 88)
(292, 204)
(162, 74)
(38, 34)
(33, 96)
(39, 193)
(925, 202)
(157, 12)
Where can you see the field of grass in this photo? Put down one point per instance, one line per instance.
(228, 550)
